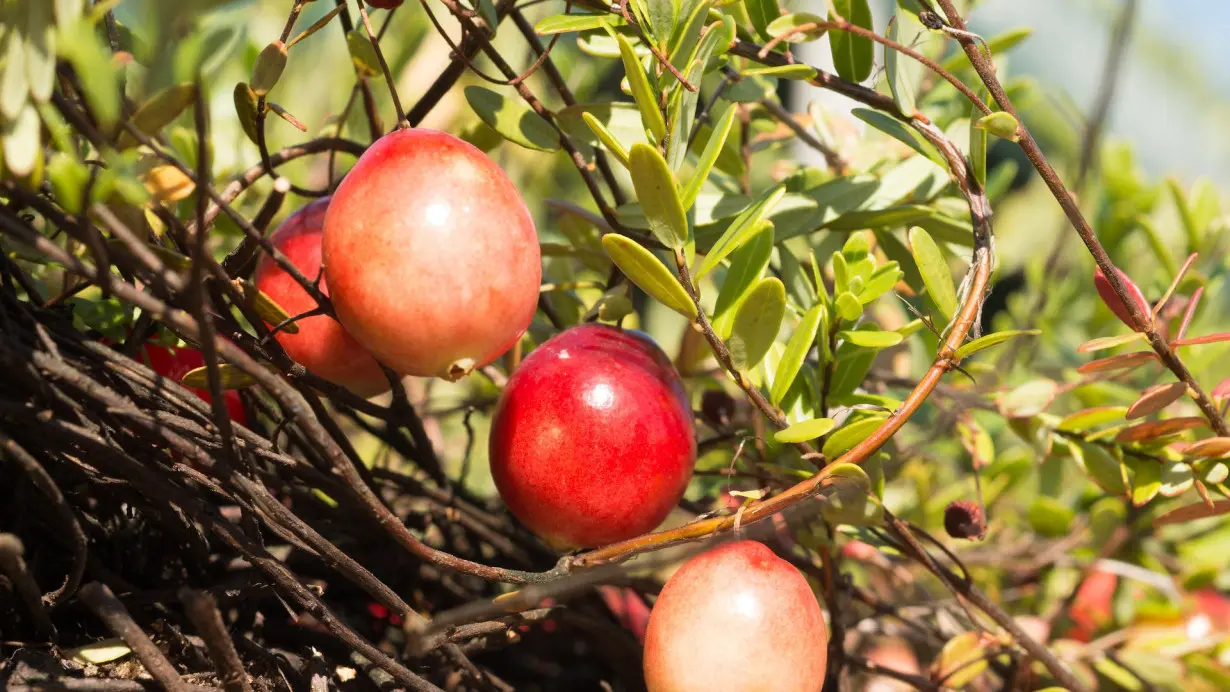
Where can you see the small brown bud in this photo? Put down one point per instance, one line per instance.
(964, 519)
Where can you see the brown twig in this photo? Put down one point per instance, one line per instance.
(99, 599)
(202, 609)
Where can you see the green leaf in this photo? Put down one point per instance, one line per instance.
(805, 430)
(848, 306)
(1091, 418)
(847, 437)
(84, 49)
(1146, 481)
(1176, 479)
(906, 135)
(880, 282)
(567, 23)
(642, 94)
(792, 71)
(362, 52)
(1000, 124)
(978, 147)
(158, 111)
(934, 270)
(997, 45)
(796, 352)
(736, 234)
(683, 101)
(785, 24)
(14, 81)
(747, 264)
(68, 178)
(1050, 518)
(757, 322)
(662, 15)
(871, 338)
(659, 195)
(21, 142)
(231, 376)
(513, 120)
(40, 35)
(1027, 400)
(762, 13)
(845, 489)
(853, 55)
(961, 660)
(1190, 227)
(649, 274)
(268, 69)
(1102, 467)
(622, 120)
(713, 148)
(687, 35)
(985, 342)
(902, 72)
(608, 140)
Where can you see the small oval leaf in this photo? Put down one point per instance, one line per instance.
(803, 431)
(232, 377)
(1152, 430)
(871, 338)
(1109, 342)
(796, 352)
(1001, 124)
(157, 112)
(757, 322)
(514, 121)
(847, 437)
(642, 94)
(658, 193)
(649, 274)
(934, 270)
(853, 55)
(985, 342)
(1155, 399)
(265, 307)
(268, 69)
(799, 27)
(1091, 418)
(1123, 361)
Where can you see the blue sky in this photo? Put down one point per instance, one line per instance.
(1178, 126)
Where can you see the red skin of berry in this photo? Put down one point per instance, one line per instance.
(322, 345)
(384, 4)
(1091, 608)
(173, 363)
(736, 618)
(592, 440)
(431, 255)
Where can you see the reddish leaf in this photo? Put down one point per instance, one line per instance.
(1190, 312)
(1192, 512)
(1114, 303)
(1123, 361)
(1222, 390)
(1156, 398)
(1160, 428)
(628, 608)
(1197, 340)
(1212, 447)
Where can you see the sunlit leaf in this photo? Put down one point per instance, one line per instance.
(796, 27)
(1001, 124)
(1155, 399)
(567, 23)
(231, 376)
(1156, 429)
(1123, 361)
(1193, 512)
(1109, 342)
(1209, 447)
(800, 344)
(709, 157)
(961, 660)
(895, 129)
(870, 338)
(747, 264)
(803, 431)
(738, 231)
(1197, 340)
(1091, 418)
(659, 195)
(934, 270)
(985, 342)
(850, 435)
(757, 322)
(642, 94)
(648, 273)
(901, 71)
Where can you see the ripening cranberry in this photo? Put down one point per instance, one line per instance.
(384, 4)
(592, 439)
(736, 618)
(431, 255)
(175, 362)
(322, 345)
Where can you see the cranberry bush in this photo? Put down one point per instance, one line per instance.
(604, 259)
